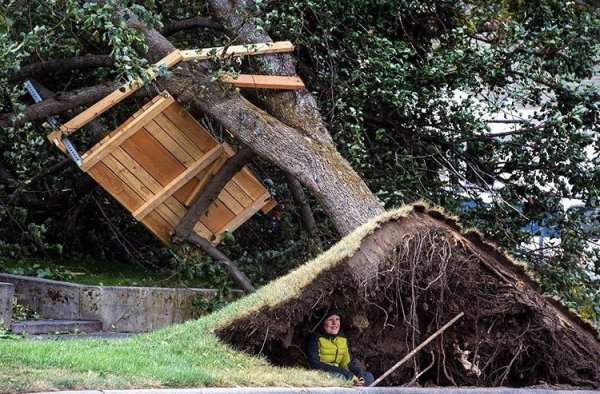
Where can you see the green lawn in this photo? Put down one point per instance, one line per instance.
(180, 356)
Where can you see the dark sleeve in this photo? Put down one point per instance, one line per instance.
(353, 366)
(315, 362)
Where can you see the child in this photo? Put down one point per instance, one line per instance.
(329, 351)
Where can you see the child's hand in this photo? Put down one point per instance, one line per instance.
(358, 381)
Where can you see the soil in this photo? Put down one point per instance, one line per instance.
(409, 278)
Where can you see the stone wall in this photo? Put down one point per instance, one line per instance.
(121, 309)
(6, 295)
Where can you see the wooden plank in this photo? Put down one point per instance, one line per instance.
(203, 231)
(140, 188)
(181, 138)
(234, 206)
(212, 170)
(123, 157)
(242, 217)
(129, 199)
(118, 138)
(116, 187)
(178, 182)
(217, 216)
(124, 125)
(238, 50)
(159, 227)
(157, 161)
(272, 203)
(249, 184)
(264, 82)
(240, 196)
(190, 127)
(118, 95)
(169, 143)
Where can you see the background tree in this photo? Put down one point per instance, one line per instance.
(408, 92)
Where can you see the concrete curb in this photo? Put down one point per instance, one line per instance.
(331, 390)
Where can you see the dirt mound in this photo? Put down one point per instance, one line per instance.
(411, 275)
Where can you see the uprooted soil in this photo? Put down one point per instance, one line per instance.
(409, 278)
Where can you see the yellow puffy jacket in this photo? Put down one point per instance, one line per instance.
(334, 351)
(332, 354)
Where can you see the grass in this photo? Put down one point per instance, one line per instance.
(180, 356)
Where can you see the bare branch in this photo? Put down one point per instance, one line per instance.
(211, 191)
(62, 65)
(192, 23)
(491, 136)
(229, 265)
(308, 219)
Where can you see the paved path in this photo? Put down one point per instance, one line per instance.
(331, 390)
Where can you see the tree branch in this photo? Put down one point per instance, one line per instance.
(62, 65)
(308, 219)
(214, 186)
(229, 265)
(490, 136)
(93, 126)
(62, 102)
(192, 23)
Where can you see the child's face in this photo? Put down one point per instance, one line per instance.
(331, 325)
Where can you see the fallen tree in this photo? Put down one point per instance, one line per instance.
(401, 277)
(412, 273)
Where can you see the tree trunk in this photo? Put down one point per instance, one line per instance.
(307, 153)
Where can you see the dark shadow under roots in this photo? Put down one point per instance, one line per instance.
(508, 336)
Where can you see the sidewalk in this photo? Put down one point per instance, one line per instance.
(331, 390)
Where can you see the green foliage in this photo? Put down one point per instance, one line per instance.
(23, 312)
(7, 334)
(206, 305)
(407, 89)
(38, 271)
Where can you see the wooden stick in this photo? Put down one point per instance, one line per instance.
(264, 81)
(416, 350)
(118, 95)
(238, 50)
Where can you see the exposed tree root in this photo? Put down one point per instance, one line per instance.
(409, 278)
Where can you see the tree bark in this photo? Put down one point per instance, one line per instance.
(301, 201)
(307, 153)
(209, 194)
(191, 23)
(59, 103)
(62, 65)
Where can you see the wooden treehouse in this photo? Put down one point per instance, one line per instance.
(160, 159)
